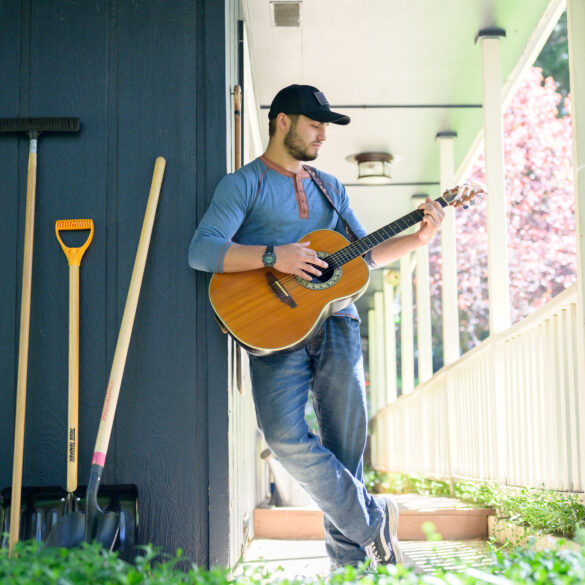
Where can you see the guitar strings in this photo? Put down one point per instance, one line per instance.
(359, 247)
(363, 245)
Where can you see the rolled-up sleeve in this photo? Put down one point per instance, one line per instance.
(220, 223)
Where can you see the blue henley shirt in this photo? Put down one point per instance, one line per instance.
(263, 203)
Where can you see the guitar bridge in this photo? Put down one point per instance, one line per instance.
(279, 290)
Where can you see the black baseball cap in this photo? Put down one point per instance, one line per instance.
(306, 100)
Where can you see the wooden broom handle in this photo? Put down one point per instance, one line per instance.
(19, 419)
(113, 390)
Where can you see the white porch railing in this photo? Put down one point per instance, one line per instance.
(508, 410)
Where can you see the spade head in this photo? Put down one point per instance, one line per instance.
(93, 526)
(68, 532)
(73, 529)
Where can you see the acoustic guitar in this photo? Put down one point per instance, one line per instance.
(267, 311)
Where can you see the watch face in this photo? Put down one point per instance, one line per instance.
(268, 258)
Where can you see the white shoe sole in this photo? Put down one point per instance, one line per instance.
(393, 527)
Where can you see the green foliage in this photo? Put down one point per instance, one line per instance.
(554, 57)
(549, 566)
(541, 510)
(91, 565)
(399, 483)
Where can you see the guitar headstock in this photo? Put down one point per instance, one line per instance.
(464, 195)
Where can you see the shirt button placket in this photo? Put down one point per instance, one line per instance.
(303, 208)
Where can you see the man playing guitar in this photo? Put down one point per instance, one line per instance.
(255, 221)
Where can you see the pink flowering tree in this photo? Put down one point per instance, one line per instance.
(541, 222)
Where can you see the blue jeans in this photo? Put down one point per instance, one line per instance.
(329, 467)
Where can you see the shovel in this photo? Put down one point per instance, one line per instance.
(74, 256)
(97, 524)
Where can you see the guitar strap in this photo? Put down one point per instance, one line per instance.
(313, 173)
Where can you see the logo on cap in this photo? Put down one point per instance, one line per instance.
(320, 97)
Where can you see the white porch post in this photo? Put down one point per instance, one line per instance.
(449, 254)
(406, 326)
(498, 274)
(372, 361)
(423, 311)
(576, 26)
(391, 279)
(380, 350)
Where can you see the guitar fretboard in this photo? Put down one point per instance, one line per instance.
(363, 245)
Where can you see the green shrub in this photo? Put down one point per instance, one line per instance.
(400, 483)
(91, 565)
(538, 509)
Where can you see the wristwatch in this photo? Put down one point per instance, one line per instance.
(269, 257)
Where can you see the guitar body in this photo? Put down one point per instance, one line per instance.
(268, 311)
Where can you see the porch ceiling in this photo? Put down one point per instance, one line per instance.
(415, 68)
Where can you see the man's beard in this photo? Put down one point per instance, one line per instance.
(294, 147)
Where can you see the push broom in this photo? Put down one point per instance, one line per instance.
(33, 127)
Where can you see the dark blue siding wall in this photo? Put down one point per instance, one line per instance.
(146, 79)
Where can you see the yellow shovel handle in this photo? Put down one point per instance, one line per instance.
(74, 255)
(73, 390)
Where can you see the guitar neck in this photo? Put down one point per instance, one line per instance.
(365, 244)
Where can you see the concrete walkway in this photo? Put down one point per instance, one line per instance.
(307, 558)
(463, 530)
(294, 558)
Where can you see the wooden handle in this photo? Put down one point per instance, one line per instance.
(73, 394)
(29, 228)
(74, 256)
(237, 126)
(238, 164)
(113, 390)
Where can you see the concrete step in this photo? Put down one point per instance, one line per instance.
(288, 523)
(452, 519)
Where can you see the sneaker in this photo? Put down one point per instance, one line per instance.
(384, 549)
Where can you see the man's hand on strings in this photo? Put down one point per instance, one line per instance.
(298, 259)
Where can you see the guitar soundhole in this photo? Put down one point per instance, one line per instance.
(327, 279)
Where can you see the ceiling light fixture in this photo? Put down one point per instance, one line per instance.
(373, 167)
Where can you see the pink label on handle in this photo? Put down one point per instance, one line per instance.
(98, 459)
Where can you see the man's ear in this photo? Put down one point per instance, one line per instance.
(283, 122)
